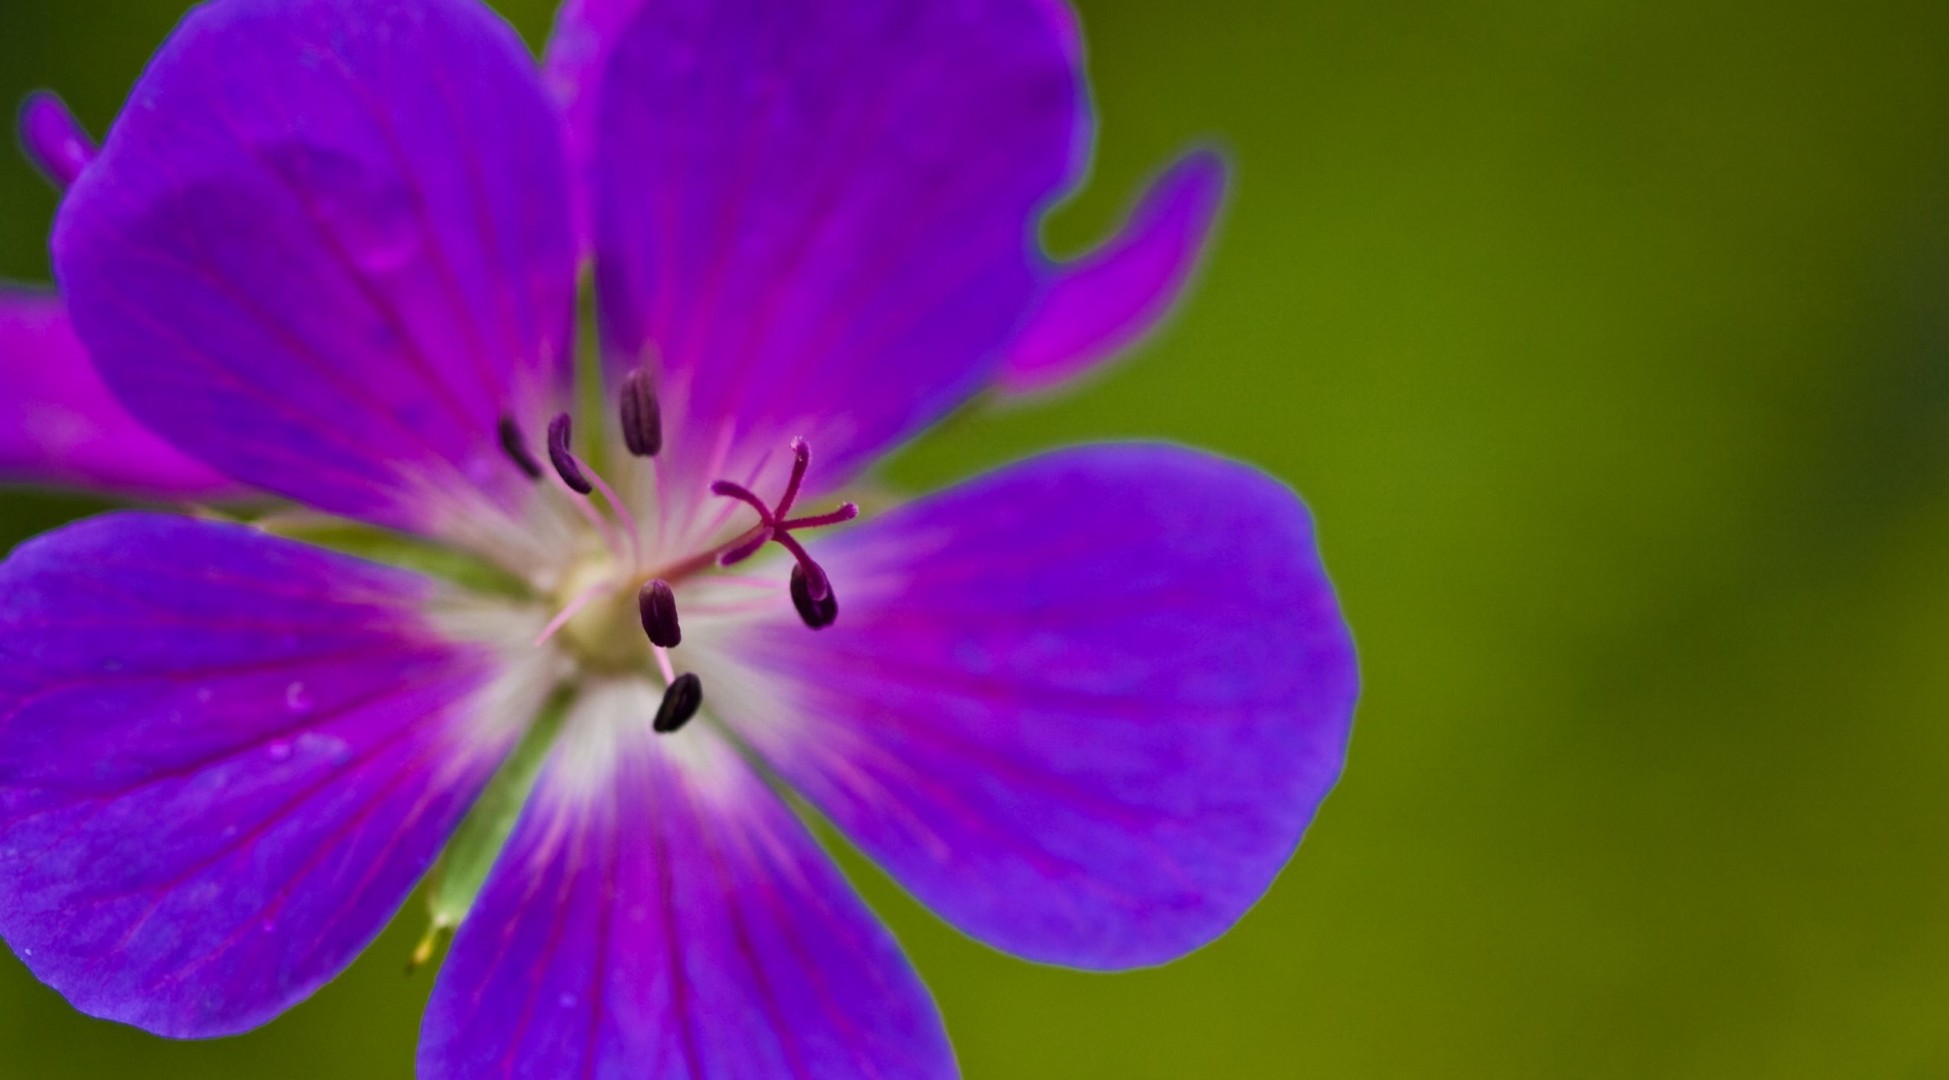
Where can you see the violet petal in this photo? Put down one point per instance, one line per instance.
(59, 426)
(226, 760)
(1083, 707)
(1100, 305)
(660, 912)
(818, 218)
(54, 141)
(329, 251)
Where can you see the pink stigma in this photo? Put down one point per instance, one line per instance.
(774, 526)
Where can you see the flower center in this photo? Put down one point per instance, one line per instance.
(608, 598)
(600, 623)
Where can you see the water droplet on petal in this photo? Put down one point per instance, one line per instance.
(279, 750)
(317, 744)
(298, 699)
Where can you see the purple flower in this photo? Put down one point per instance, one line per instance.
(1082, 707)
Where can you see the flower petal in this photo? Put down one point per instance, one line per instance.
(1103, 303)
(60, 426)
(818, 218)
(326, 248)
(224, 761)
(54, 142)
(659, 912)
(1083, 707)
(578, 55)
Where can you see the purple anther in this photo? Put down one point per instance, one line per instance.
(641, 415)
(818, 614)
(569, 469)
(658, 605)
(53, 139)
(517, 448)
(680, 702)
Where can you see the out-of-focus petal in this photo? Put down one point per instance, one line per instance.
(1083, 707)
(224, 761)
(326, 248)
(659, 912)
(1103, 303)
(818, 218)
(53, 140)
(60, 426)
(578, 53)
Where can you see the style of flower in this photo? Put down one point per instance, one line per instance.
(1082, 707)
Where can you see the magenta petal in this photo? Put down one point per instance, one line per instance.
(1083, 707)
(326, 248)
(817, 218)
(59, 425)
(1100, 305)
(660, 913)
(224, 761)
(578, 54)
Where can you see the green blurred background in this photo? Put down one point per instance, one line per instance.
(1610, 344)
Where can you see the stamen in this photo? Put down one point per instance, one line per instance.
(54, 140)
(569, 471)
(680, 702)
(658, 606)
(517, 448)
(621, 510)
(642, 417)
(566, 466)
(818, 614)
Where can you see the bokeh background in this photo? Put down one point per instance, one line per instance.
(1610, 343)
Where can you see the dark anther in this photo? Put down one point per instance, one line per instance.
(517, 448)
(642, 417)
(818, 614)
(680, 703)
(569, 469)
(659, 608)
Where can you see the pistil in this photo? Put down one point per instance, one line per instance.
(775, 526)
